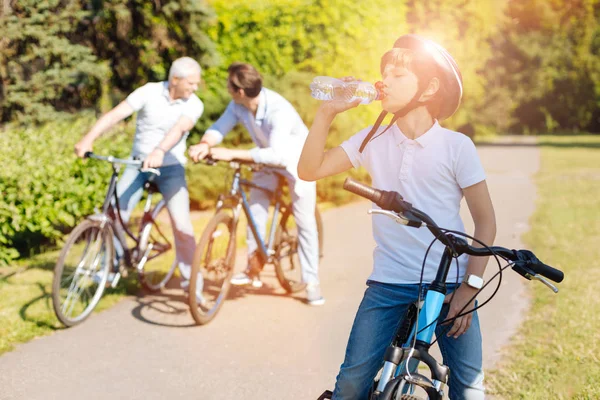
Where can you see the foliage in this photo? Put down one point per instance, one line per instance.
(547, 59)
(73, 54)
(44, 189)
(42, 69)
(140, 39)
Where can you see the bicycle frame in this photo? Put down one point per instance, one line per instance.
(238, 200)
(111, 214)
(401, 349)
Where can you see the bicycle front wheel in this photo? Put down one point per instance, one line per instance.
(81, 272)
(287, 259)
(157, 263)
(212, 268)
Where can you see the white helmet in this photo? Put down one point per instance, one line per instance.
(448, 74)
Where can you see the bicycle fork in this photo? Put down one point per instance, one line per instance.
(402, 359)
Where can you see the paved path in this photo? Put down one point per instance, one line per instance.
(262, 345)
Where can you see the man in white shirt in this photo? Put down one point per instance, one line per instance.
(167, 111)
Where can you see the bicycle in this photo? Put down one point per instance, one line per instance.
(215, 252)
(399, 377)
(82, 270)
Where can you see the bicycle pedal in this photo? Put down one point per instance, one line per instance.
(115, 280)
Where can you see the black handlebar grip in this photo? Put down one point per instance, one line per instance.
(87, 154)
(553, 274)
(362, 190)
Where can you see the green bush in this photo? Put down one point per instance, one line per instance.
(44, 189)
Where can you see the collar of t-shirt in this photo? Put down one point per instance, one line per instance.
(166, 93)
(261, 113)
(423, 140)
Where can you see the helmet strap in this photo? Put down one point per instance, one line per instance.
(414, 103)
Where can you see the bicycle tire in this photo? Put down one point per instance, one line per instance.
(155, 278)
(286, 260)
(81, 271)
(216, 272)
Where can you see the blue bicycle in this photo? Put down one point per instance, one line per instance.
(399, 377)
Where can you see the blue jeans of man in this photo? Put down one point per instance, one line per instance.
(173, 187)
(376, 321)
(303, 208)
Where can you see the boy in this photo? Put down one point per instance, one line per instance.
(433, 168)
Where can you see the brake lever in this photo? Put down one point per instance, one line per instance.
(545, 282)
(399, 218)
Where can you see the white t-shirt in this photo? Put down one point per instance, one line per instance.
(157, 114)
(429, 172)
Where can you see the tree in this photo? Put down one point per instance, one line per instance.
(140, 39)
(547, 57)
(66, 55)
(42, 68)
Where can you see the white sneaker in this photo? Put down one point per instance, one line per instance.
(313, 295)
(242, 279)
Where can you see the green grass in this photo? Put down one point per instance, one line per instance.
(556, 354)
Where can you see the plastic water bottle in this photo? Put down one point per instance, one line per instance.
(328, 88)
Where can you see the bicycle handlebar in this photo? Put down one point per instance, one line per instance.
(525, 262)
(254, 166)
(114, 160)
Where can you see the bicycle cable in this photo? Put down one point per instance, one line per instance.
(499, 273)
(417, 331)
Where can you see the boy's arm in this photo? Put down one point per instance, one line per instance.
(315, 164)
(481, 208)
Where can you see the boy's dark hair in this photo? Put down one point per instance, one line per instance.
(245, 76)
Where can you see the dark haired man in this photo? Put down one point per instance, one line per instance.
(279, 134)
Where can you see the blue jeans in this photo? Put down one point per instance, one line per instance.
(173, 187)
(378, 316)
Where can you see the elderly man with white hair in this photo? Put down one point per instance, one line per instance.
(163, 108)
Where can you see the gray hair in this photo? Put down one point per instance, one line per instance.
(183, 67)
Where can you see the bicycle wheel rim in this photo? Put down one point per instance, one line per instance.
(212, 268)
(156, 261)
(81, 272)
(287, 259)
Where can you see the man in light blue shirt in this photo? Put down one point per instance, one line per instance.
(279, 134)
